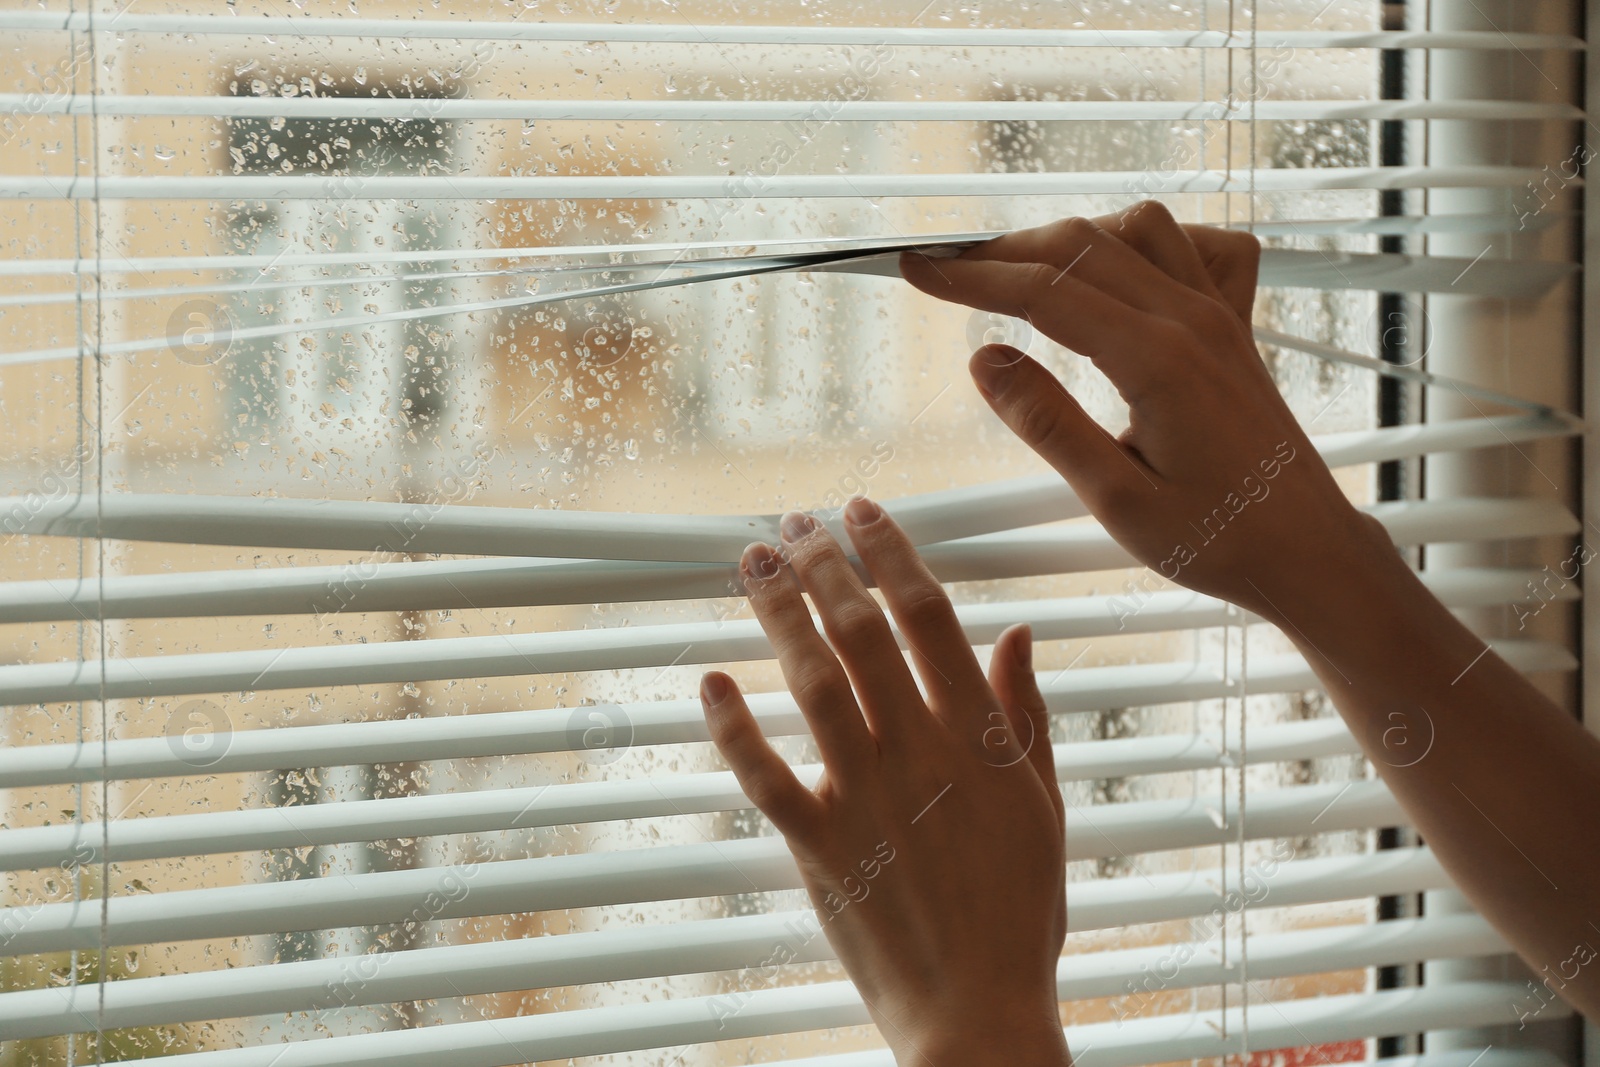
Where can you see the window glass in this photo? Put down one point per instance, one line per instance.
(316, 347)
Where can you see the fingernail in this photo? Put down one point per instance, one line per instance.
(713, 688)
(796, 524)
(990, 372)
(760, 560)
(1024, 649)
(861, 511)
(1001, 355)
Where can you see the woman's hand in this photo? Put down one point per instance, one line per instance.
(933, 845)
(1213, 484)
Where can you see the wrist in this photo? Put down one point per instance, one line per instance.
(1359, 605)
(1002, 1051)
(1353, 573)
(1035, 1041)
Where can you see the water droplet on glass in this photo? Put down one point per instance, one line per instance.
(164, 153)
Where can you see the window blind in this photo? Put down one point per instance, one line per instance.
(359, 574)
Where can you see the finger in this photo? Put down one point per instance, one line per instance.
(763, 775)
(1150, 230)
(1080, 247)
(1129, 345)
(1233, 259)
(940, 650)
(1049, 420)
(855, 625)
(815, 678)
(1017, 688)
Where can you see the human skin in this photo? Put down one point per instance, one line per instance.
(953, 942)
(1507, 793)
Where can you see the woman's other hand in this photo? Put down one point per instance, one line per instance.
(933, 845)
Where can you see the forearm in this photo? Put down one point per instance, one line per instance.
(1503, 785)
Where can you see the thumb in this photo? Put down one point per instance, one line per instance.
(1017, 688)
(1038, 408)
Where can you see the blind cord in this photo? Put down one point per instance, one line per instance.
(77, 275)
(1244, 632)
(100, 544)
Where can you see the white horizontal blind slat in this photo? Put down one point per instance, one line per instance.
(1135, 610)
(711, 33)
(1279, 267)
(502, 655)
(596, 1031)
(936, 516)
(669, 872)
(576, 803)
(782, 186)
(364, 526)
(707, 945)
(1403, 371)
(662, 722)
(465, 529)
(1403, 225)
(1409, 274)
(1282, 266)
(1489, 1056)
(431, 108)
(429, 584)
(114, 264)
